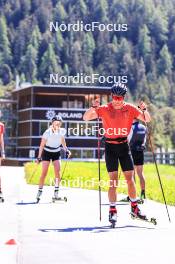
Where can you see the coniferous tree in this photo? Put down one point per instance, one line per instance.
(5, 50)
(29, 62)
(165, 61)
(50, 64)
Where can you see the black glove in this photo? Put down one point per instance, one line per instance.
(39, 160)
(67, 154)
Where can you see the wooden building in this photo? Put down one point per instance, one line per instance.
(37, 104)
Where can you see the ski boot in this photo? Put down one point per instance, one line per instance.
(38, 195)
(1, 198)
(112, 216)
(136, 212)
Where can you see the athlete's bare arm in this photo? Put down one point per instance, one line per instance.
(42, 144)
(91, 114)
(63, 142)
(144, 116)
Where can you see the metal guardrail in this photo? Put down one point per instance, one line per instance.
(161, 157)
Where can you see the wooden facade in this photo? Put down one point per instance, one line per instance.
(37, 104)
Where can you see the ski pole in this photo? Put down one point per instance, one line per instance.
(99, 168)
(64, 169)
(119, 174)
(157, 169)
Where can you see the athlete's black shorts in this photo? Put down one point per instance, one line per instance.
(115, 153)
(138, 157)
(47, 155)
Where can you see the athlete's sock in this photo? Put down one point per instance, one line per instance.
(133, 200)
(112, 204)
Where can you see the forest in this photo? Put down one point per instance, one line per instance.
(143, 50)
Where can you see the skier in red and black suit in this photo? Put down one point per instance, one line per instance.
(117, 118)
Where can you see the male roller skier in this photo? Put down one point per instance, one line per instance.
(117, 118)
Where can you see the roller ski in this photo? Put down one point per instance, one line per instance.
(136, 214)
(57, 198)
(127, 200)
(1, 198)
(62, 199)
(112, 216)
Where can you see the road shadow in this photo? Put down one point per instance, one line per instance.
(26, 203)
(95, 229)
(117, 203)
(29, 203)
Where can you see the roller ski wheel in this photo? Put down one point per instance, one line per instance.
(63, 199)
(151, 220)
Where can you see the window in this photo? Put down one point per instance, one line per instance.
(43, 127)
(64, 104)
(88, 153)
(24, 101)
(76, 153)
(104, 99)
(76, 101)
(75, 104)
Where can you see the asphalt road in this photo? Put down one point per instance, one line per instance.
(71, 232)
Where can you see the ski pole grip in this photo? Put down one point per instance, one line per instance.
(39, 159)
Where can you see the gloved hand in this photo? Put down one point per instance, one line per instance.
(142, 106)
(68, 154)
(38, 160)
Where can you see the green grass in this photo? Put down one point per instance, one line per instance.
(85, 175)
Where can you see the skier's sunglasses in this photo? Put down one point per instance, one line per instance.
(117, 98)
